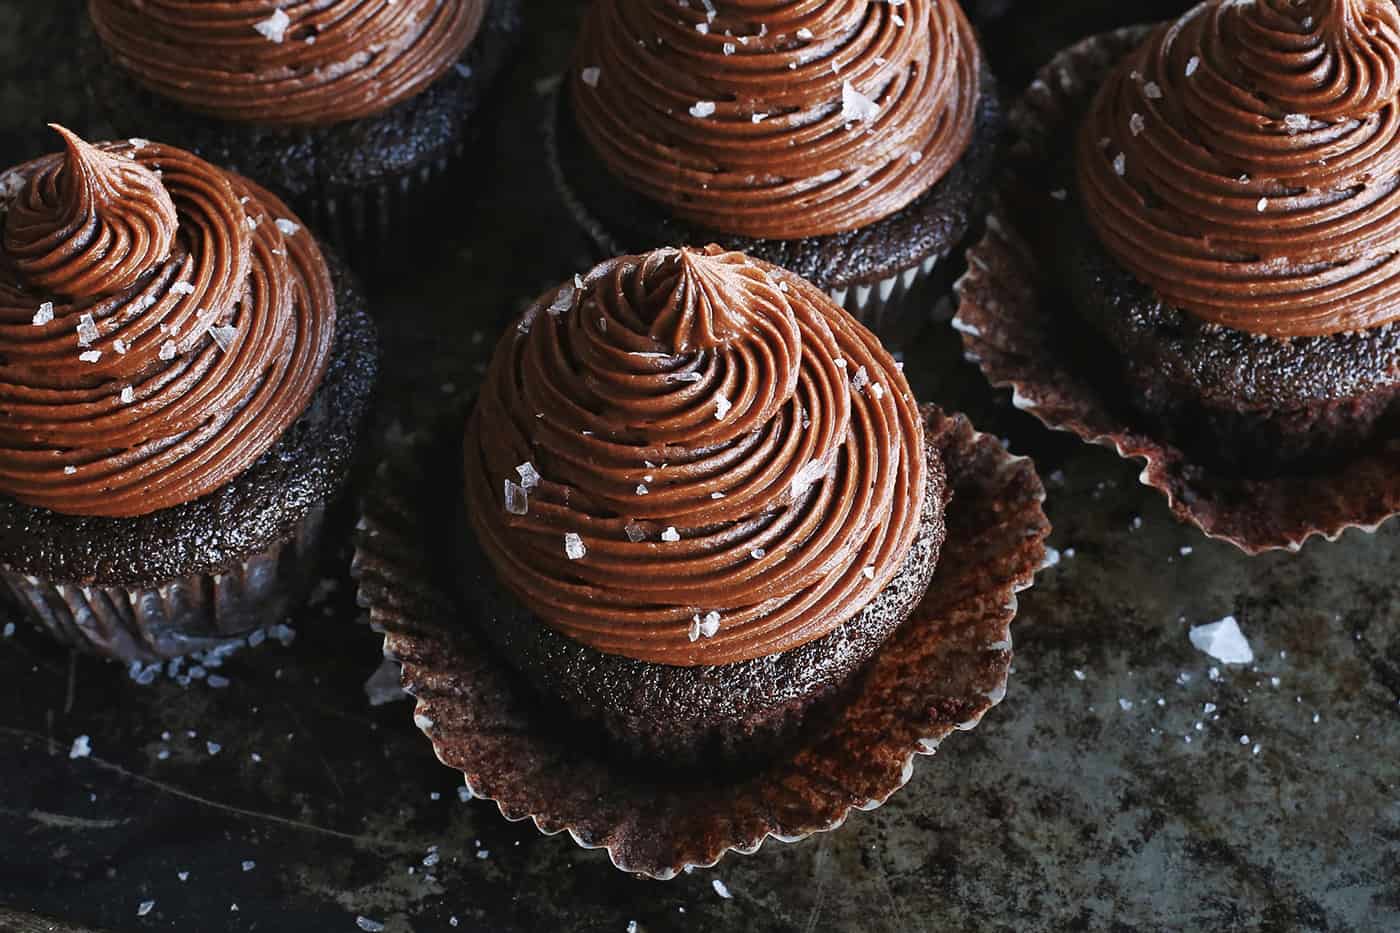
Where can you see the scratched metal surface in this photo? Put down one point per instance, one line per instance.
(284, 802)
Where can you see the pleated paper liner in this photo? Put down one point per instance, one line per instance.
(940, 672)
(1011, 328)
(173, 618)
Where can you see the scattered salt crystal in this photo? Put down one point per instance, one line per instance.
(670, 534)
(590, 76)
(1192, 65)
(720, 889)
(145, 907)
(224, 335)
(90, 356)
(274, 28)
(694, 633)
(8, 631)
(635, 533)
(709, 625)
(517, 502)
(1244, 740)
(1152, 91)
(1209, 708)
(563, 300)
(702, 28)
(483, 853)
(82, 748)
(213, 747)
(1262, 205)
(642, 490)
(1060, 194)
(758, 553)
(1186, 551)
(861, 379)
(183, 875)
(287, 227)
(804, 33)
(182, 288)
(702, 108)
(464, 793)
(368, 925)
(167, 350)
(1120, 164)
(87, 330)
(44, 315)
(1137, 124)
(722, 406)
(249, 865)
(877, 390)
(729, 48)
(463, 70)
(1078, 675)
(128, 395)
(1125, 704)
(855, 105)
(69, 470)
(716, 495)
(120, 346)
(1297, 121)
(868, 572)
(574, 548)
(529, 476)
(1223, 641)
(631, 926)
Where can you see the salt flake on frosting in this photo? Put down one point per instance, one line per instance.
(590, 76)
(855, 106)
(702, 108)
(574, 548)
(516, 500)
(670, 535)
(44, 315)
(529, 476)
(274, 28)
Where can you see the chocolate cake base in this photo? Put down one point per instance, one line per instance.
(186, 578)
(684, 717)
(357, 182)
(883, 260)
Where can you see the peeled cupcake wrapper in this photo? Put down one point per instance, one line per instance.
(156, 622)
(940, 672)
(1008, 329)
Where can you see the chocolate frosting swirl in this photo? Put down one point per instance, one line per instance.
(162, 323)
(293, 63)
(781, 120)
(1245, 163)
(693, 458)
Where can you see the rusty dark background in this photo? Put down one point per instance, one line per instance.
(271, 796)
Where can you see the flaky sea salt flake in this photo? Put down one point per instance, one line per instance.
(722, 406)
(287, 227)
(670, 534)
(529, 476)
(574, 548)
(82, 748)
(224, 335)
(274, 28)
(702, 108)
(1223, 641)
(87, 330)
(167, 350)
(90, 356)
(44, 315)
(516, 501)
(855, 106)
(590, 76)
(1192, 65)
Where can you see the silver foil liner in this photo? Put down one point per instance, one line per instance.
(176, 617)
(939, 673)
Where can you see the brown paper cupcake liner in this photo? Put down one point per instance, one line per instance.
(171, 619)
(359, 222)
(940, 672)
(1010, 329)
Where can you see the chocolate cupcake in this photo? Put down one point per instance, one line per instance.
(183, 376)
(1217, 199)
(351, 109)
(849, 142)
(1235, 234)
(699, 499)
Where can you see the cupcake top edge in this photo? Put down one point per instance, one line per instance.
(691, 457)
(162, 322)
(1244, 162)
(291, 65)
(777, 122)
